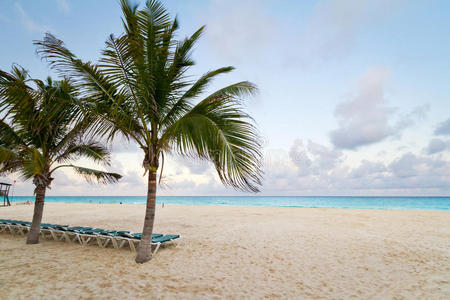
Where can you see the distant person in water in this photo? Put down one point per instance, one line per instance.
(120, 202)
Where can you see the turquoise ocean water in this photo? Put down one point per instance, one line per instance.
(405, 203)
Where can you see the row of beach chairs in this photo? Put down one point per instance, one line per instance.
(86, 235)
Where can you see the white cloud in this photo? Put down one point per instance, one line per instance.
(368, 169)
(404, 174)
(307, 169)
(437, 146)
(194, 165)
(405, 166)
(314, 159)
(28, 22)
(122, 145)
(443, 128)
(367, 118)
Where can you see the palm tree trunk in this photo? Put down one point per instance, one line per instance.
(33, 235)
(144, 251)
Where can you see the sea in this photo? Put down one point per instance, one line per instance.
(397, 203)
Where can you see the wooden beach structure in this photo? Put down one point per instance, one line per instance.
(4, 192)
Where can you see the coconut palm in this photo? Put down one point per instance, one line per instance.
(41, 132)
(140, 88)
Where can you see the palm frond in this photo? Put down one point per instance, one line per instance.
(8, 136)
(33, 164)
(92, 175)
(182, 56)
(235, 91)
(83, 75)
(6, 154)
(46, 124)
(15, 93)
(183, 103)
(91, 150)
(218, 130)
(10, 161)
(102, 91)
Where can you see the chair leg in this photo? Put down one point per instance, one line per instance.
(44, 232)
(19, 230)
(114, 243)
(53, 234)
(122, 243)
(132, 247)
(63, 236)
(83, 241)
(77, 237)
(99, 242)
(67, 237)
(156, 248)
(11, 229)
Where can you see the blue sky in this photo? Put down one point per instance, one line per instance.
(354, 95)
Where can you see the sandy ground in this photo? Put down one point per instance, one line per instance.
(236, 252)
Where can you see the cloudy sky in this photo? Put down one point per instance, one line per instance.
(354, 94)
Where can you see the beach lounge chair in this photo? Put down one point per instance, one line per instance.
(22, 227)
(115, 237)
(72, 233)
(130, 239)
(17, 227)
(101, 236)
(5, 225)
(157, 240)
(85, 235)
(108, 236)
(10, 225)
(55, 231)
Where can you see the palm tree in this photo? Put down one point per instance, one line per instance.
(140, 89)
(41, 132)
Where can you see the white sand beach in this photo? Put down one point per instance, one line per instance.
(236, 252)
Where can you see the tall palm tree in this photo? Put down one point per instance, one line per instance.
(41, 132)
(140, 89)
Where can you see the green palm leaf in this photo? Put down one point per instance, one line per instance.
(216, 129)
(45, 125)
(91, 150)
(92, 175)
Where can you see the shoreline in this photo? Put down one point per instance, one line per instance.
(159, 204)
(250, 196)
(369, 203)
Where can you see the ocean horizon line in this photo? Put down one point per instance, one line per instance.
(343, 202)
(249, 196)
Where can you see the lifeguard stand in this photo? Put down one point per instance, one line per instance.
(4, 192)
